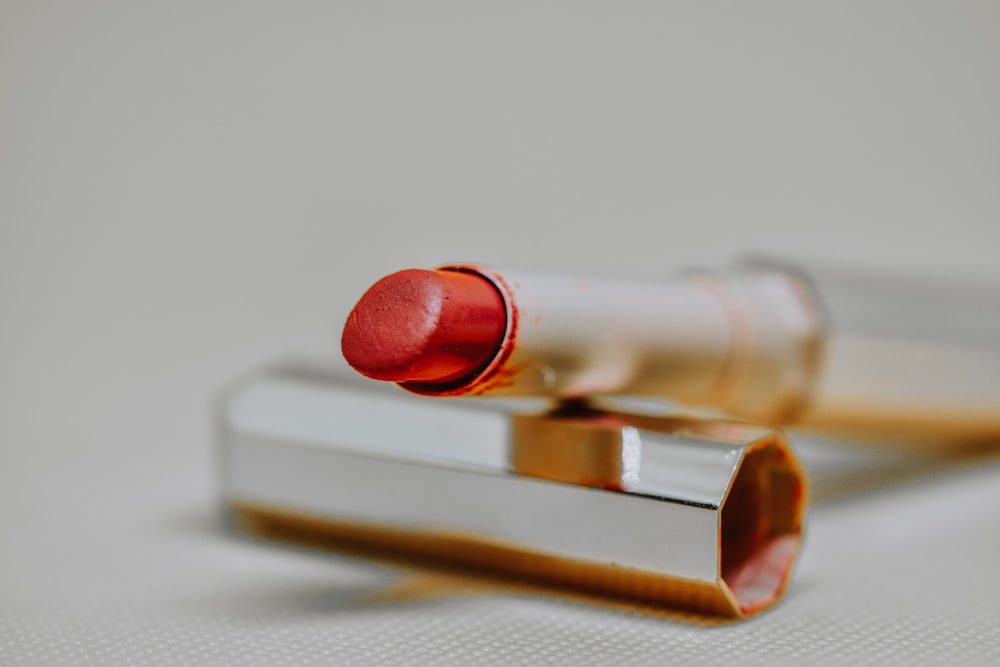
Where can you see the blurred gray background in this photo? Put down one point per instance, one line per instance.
(188, 189)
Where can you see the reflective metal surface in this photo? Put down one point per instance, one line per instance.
(702, 515)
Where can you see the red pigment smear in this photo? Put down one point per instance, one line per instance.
(759, 581)
(425, 326)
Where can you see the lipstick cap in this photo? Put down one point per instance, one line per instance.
(691, 514)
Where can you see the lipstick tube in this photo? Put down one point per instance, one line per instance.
(875, 357)
(688, 514)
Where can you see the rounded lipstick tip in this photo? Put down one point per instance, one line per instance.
(425, 326)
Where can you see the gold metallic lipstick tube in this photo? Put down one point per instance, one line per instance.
(910, 361)
(699, 515)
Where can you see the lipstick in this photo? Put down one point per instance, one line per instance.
(873, 357)
(426, 326)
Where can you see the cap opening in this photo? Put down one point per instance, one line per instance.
(761, 525)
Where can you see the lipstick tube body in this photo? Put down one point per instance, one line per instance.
(909, 359)
(765, 343)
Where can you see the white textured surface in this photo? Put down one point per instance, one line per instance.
(189, 188)
(896, 577)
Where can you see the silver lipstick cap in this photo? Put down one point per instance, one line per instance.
(692, 514)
